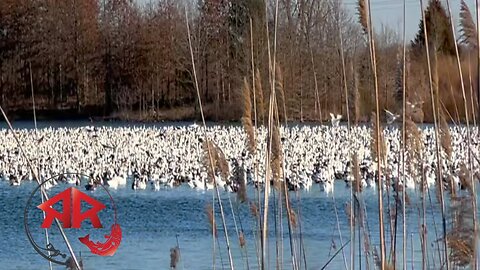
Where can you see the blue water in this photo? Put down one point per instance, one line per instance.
(151, 222)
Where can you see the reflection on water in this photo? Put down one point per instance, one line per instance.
(151, 221)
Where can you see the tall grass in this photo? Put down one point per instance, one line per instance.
(212, 162)
(467, 120)
(455, 245)
(364, 9)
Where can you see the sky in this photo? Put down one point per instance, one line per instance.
(390, 13)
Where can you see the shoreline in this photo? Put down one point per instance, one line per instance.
(175, 115)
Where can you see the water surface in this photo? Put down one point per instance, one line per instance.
(151, 222)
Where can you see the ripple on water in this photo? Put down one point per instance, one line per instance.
(152, 220)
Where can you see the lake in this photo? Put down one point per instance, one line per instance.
(152, 221)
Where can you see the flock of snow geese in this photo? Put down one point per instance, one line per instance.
(160, 157)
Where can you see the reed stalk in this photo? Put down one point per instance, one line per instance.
(432, 214)
(423, 226)
(469, 36)
(258, 114)
(43, 192)
(174, 256)
(339, 231)
(47, 240)
(472, 95)
(252, 53)
(344, 73)
(469, 137)
(220, 204)
(240, 236)
(344, 79)
(364, 8)
(271, 69)
(315, 80)
(356, 185)
(437, 143)
(404, 105)
(477, 7)
(278, 155)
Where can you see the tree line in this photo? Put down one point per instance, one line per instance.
(132, 61)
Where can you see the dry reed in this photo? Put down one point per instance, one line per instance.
(276, 162)
(399, 82)
(357, 181)
(468, 27)
(377, 138)
(238, 178)
(260, 98)
(293, 217)
(465, 179)
(362, 10)
(414, 140)
(254, 210)
(211, 219)
(174, 257)
(354, 96)
(220, 164)
(348, 212)
(247, 119)
(437, 136)
(461, 238)
(241, 240)
(280, 91)
(206, 145)
(445, 136)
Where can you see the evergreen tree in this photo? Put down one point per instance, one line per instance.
(439, 30)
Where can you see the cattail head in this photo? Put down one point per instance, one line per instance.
(211, 219)
(247, 119)
(239, 179)
(174, 257)
(414, 149)
(357, 181)
(276, 162)
(407, 199)
(260, 105)
(222, 162)
(354, 95)
(452, 186)
(402, 70)
(293, 218)
(363, 15)
(207, 147)
(280, 91)
(218, 160)
(377, 140)
(241, 239)
(254, 210)
(414, 137)
(445, 136)
(348, 212)
(465, 179)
